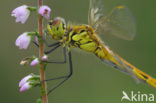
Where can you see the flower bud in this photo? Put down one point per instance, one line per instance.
(34, 62)
(25, 87)
(25, 61)
(45, 58)
(44, 11)
(29, 82)
(24, 80)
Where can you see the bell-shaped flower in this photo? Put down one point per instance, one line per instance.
(25, 87)
(44, 11)
(23, 41)
(21, 13)
(34, 62)
(28, 82)
(24, 80)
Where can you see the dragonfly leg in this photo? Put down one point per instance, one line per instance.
(57, 44)
(63, 77)
(35, 44)
(50, 45)
(52, 49)
(46, 43)
(60, 62)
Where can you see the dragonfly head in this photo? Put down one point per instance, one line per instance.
(56, 28)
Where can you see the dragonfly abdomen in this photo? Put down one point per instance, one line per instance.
(83, 37)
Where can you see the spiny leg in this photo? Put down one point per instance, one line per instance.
(36, 44)
(50, 45)
(52, 49)
(57, 44)
(46, 43)
(60, 62)
(53, 44)
(66, 77)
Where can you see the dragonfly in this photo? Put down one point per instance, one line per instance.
(88, 37)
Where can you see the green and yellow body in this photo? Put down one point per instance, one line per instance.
(85, 38)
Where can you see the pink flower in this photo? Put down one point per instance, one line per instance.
(21, 13)
(34, 62)
(45, 58)
(28, 82)
(25, 86)
(24, 80)
(44, 11)
(23, 41)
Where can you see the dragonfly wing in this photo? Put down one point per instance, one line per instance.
(126, 68)
(118, 22)
(94, 12)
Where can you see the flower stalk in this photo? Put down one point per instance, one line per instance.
(41, 54)
(21, 14)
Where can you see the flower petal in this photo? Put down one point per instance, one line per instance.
(24, 80)
(25, 87)
(23, 41)
(21, 13)
(45, 58)
(45, 11)
(34, 62)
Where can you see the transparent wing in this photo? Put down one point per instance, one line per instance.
(118, 22)
(127, 68)
(94, 12)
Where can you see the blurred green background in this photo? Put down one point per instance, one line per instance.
(92, 80)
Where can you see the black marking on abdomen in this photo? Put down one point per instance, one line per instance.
(144, 76)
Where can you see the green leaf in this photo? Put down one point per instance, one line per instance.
(32, 8)
(45, 66)
(42, 90)
(39, 100)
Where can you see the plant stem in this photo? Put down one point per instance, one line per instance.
(41, 53)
